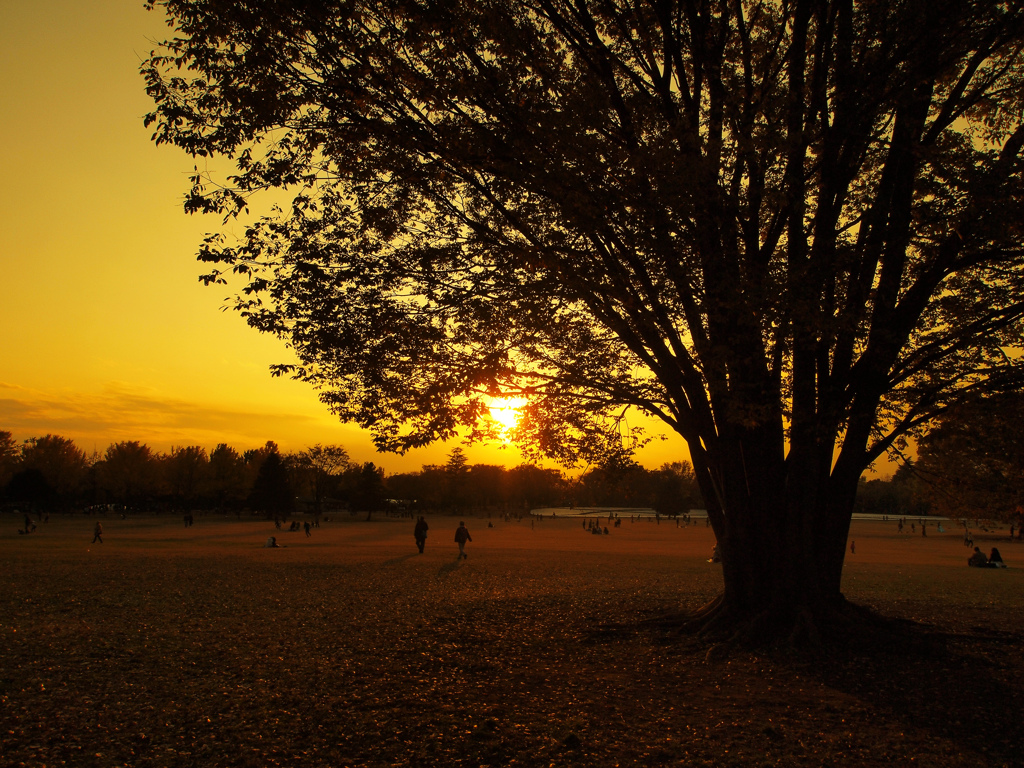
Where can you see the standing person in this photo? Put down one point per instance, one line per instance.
(461, 537)
(420, 533)
(306, 526)
(97, 533)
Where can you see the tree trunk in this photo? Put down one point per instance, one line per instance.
(782, 528)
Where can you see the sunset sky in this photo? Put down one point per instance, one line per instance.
(107, 334)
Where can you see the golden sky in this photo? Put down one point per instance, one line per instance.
(105, 332)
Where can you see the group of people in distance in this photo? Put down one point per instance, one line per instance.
(978, 559)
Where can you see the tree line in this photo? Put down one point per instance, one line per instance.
(52, 473)
(969, 465)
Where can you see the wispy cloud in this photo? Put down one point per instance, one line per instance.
(124, 412)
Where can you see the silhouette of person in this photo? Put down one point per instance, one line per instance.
(271, 543)
(97, 533)
(307, 526)
(995, 559)
(419, 532)
(853, 547)
(461, 537)
(978, 559)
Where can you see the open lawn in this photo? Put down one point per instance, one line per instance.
(167, 646)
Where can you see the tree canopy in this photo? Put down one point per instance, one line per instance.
(789, 230)
(971, 462)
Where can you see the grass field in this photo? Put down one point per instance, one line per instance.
(167, 646)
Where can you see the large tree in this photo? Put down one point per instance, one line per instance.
(789, 229)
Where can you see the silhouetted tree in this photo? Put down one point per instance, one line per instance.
(617, 482)
(62, 463)
(456, 475)
(272, 492)
(409, 487)
(971, 463)
(674, 488)
(323, 466)
(484, 486)
(227, 469)
(368, 488)
(186, 470)
(8, 457)
(897, 497)
(129, 473)
(789, 230)
(30, 487)
(531, 486)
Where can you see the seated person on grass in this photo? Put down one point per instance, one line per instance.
(995, 560)
(978, 559)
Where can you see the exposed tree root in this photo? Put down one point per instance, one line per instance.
(806, 626)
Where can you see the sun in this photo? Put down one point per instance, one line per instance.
(505, 411)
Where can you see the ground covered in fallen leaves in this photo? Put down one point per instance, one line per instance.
(167, 646)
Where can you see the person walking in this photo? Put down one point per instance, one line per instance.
(461, 537)
(420, 533)
(97, 533)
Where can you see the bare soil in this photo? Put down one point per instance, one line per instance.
(167, 646)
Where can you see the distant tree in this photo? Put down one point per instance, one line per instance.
(971, 462)
(894, 497)
(367, 493)
(8, 457)
(186, 471)
(253, 458)
(323, 466)
(62, 463)
(530, 486)
(617, 482)
(789, 230)
(129, 473)
(228, 478)
(30, 487)
(675, 489)
(272, 492)
(409, 487)
(484, 486)
(456, 477)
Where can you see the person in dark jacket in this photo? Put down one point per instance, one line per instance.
(461, 537)
(420, 533)
(978, 559)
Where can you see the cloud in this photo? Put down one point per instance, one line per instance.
(124, 412)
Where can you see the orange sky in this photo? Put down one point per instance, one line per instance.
(106, 333)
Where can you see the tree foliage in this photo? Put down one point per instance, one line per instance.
(272, 491)
(58, 460)
(789, 230)
(971, 463)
